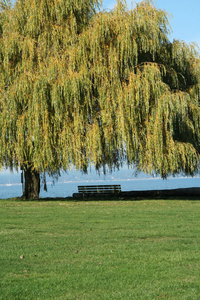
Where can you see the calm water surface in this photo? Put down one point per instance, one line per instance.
(67, 184)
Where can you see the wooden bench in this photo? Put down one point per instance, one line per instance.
(98, 190)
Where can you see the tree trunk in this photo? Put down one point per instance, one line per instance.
(32, 184)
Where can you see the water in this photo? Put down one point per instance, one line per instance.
(67, 184)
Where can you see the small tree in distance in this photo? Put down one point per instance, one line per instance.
(79, 86)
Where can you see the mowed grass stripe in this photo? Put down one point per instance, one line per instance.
(100, 249)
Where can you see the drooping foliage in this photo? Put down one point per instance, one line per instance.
(79, 85)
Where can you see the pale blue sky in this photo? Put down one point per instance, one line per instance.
(185, 22)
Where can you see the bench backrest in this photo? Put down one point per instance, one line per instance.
(99, 189)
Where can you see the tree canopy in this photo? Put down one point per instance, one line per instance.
(79, 85)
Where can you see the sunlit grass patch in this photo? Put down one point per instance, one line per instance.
(99, 249)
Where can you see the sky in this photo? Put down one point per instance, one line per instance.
(185, 20)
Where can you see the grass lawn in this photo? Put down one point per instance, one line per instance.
(147, 249)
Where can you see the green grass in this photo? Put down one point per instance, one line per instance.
(100, 250)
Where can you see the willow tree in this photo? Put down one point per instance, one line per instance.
(79, 86)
